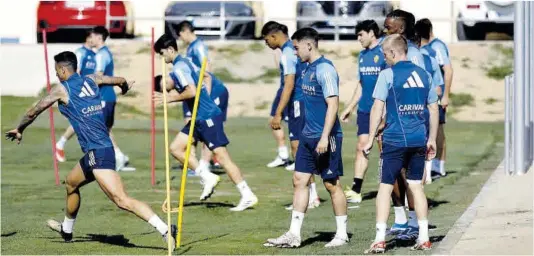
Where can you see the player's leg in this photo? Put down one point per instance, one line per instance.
(411, 232)
(361, 162)
(60, 145)
(441, 149)
(283, 153)
(108, 108)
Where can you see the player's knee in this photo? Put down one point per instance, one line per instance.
(123, 202)
(176, 149)
(221, 153)
(331, 185)
(299, 181)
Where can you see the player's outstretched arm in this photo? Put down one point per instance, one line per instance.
(57, 93)
(356, 96)
(289, 85)
(121, 82)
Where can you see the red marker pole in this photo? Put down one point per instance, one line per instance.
(52, 126)
(152, 116)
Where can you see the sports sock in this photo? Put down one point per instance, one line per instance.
(68, 225)
(341, 224)
(435, 164)
(357, 185)
(400, 215)
(428, 169)
(380, 232)
(244, 189)
(412, 219)
(203, 164)
(313, 192)
(442, 167)
(157, 223)
(423, 231)
(61, 142)
(296, 222)
(283, 152)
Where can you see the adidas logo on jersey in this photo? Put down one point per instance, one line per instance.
(86, 91)
(329, 172)
(414, 81)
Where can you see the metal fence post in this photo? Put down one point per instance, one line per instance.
(222, 20)
(526, 79)
(507, 148)
(519, 100)
(108, 15)
(531, 82)
(336, 18)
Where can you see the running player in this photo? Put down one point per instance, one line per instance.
(79, 101)
(291, 70)
(438, 50)
(319, 149)
(209, 128)
(405, 90)
(371, 62)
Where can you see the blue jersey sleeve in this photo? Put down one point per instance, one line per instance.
(328, 79)
(181, 76)
(432, 94)
(103, 59)
(437, 77)
(79, 56)
(201, 52)
(384, 82)
(289, 61)
(442, 53)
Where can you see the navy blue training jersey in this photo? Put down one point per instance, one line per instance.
(371, 62)
(84, 112)
(320, 81)
(407, 90)
(86, 60)
(104, 64)
(197, 51)
(290, 64)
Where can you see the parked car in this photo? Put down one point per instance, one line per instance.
(205, 17)
(487, 14)
(71, 16)
(348, 11)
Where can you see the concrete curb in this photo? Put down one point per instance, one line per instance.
(461, 225)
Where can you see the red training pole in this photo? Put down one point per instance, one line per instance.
(52, 126)
(152, 116)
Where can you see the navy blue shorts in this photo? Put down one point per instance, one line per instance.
(210, 132)
(442, 115)
(362, 121)
(296, 120)
(221, 100)
(108, 107)
(329, 165)
(394, 159)
(275, 105)
(100, 158)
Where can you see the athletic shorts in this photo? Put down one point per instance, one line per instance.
(363, 121)
(296, 120)
(210, 132)
(108, 107)
(275, 105)
(442, 115)
(221, 100)
(329, 164)
(100, 158)
(394, 159)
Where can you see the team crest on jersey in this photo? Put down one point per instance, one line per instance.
(376, 58)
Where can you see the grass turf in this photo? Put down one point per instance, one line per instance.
(29, 195)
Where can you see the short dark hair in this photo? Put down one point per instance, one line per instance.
(367, 26)
(184, 25)
(408, 20)
(272, 27)
(100, 30)
(68, 59)
(165, 41)
(306, 33)
(423, 28)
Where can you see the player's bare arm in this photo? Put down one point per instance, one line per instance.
(375, 119)
(356, 96)
(57, 93)
(121, 82)
(332, 103)
(433, 129)
(289, 85)
(448, 83)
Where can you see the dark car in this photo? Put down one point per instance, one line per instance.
(347, 13)
(206, 18)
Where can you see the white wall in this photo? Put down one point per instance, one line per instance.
(18, 19)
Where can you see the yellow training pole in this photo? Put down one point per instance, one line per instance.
(167, 171)
(188, 151)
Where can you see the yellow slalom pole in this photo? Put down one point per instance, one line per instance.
(188, 151)
(167, 171)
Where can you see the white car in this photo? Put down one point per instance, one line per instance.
(481, 17)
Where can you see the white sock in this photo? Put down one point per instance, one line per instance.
(157, 223)
(380, 232)
(203, 172)
(435, 164)
(296, 223)
(283, 152)
(412, 219)
(341, 224)
(118, 154)
(313, 192)
(400, 215)
(203, 164)
(61, 142)
(428, 169)
(423, 231)
(442, 167)
(244, 189)
(68, 225)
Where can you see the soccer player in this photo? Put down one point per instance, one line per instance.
(209, 128)
(291, 70)
(197, 51)
(405, 90)
(371, 62)
(86, 60)
(438, 50)
(319, 149)
(79, 101)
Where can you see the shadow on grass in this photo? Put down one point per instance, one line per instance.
(409, 243)
(9, 234)
(434, 204)
(321, 237)
(369, 195)
(206, 239)
(118, 240)
(209, 204)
